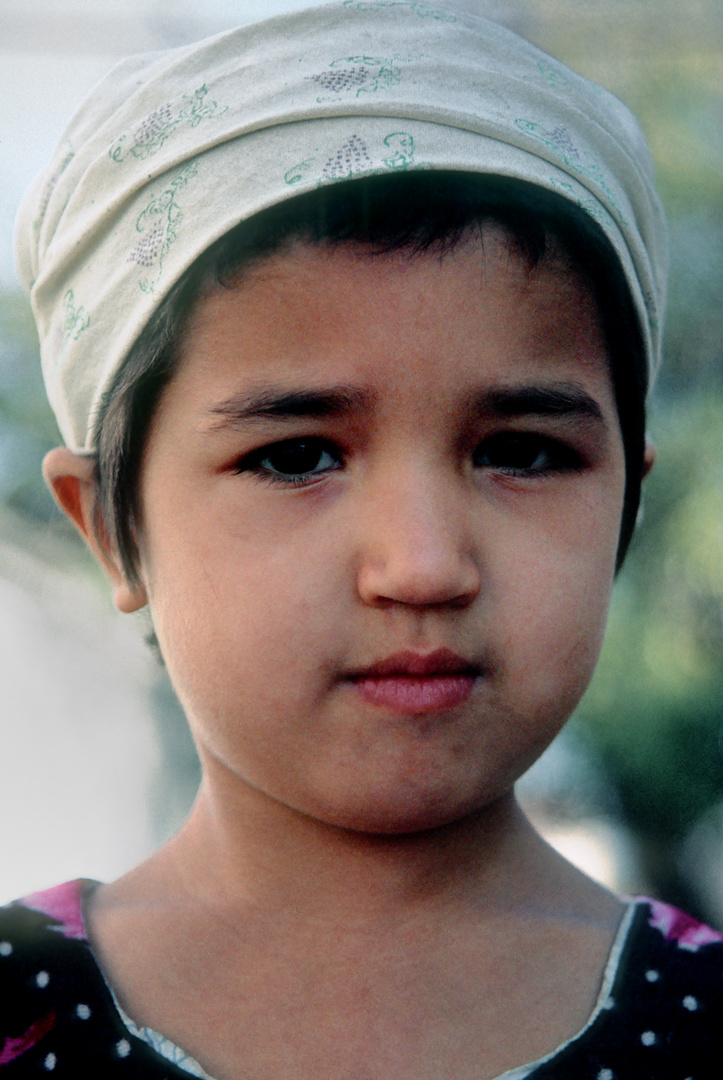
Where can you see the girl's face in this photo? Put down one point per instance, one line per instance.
(379, 505)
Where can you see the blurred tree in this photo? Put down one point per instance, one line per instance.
(653, 716)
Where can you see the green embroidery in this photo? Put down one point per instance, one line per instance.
(159, 224)
(552, 74)
(556, 75)
(362, 74)
(152, 132)
(402, 146)
(558, 139)
(298, 172)
(423, 10)
(354, 159)
(590, 206)
(76, 321)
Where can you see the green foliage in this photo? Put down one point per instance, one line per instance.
(654, 712)
(694, 329)
(653, 716)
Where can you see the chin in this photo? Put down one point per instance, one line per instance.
(405, 815)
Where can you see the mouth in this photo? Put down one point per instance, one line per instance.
(415, 683)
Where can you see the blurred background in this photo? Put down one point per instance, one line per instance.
(96, 766)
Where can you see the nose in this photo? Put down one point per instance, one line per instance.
(417, 544)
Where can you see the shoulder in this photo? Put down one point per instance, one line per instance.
(662, 1012)
(58, 910)
(668, 990)
(57, 1014)
(672, 954)
(676, 926)
(42, 940)
(660, 1009)
(680, 962)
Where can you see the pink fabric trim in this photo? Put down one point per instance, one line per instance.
(14, 1048)
(62, 902)
(675, 925)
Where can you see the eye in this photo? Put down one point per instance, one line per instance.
(293, 461)
(525, 453)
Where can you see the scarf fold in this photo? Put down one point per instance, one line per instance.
(173, 149)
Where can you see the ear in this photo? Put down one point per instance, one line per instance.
(71, 479)
(650, 456)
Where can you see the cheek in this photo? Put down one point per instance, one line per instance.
(235, 614)
(558, 612)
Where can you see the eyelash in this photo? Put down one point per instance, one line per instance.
(253, 463)
(559, 457)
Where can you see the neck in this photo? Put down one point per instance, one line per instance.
(246, 849)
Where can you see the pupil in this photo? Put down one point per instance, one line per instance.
(295, 458)
(519, 453)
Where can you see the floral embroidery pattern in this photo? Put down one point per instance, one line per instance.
(350, 159)
(76, 319)
(402, 146)
(155, 128)
(341, 79)
(361, 74)
(298, 172)
(353, 158)
(423, 10)
(559, 140)
(552, 74)
(158, 225)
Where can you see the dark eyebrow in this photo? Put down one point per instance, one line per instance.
(534, 400)
(269, 403)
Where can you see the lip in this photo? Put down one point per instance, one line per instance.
(408, 662)
(415, 683)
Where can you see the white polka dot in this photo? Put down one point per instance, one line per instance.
(605, 1074)
(5, 948)
(42, 979)
(648, 1038)
(690, 1003)
(123, 1048)
(50, 1062)
(609, 1004)
(652, 976)
(83, 1011)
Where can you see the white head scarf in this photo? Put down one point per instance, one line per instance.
(173, 149)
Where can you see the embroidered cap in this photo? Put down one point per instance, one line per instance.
(173, 149)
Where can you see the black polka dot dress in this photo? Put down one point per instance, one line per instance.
(659, 1015)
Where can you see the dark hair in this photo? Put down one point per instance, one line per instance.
(411, 211)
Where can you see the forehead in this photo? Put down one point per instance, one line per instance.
(330, 312)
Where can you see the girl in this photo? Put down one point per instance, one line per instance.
(347, 320)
